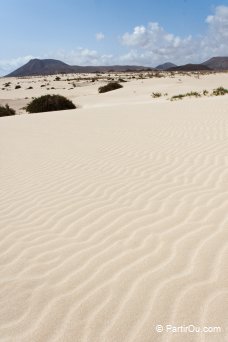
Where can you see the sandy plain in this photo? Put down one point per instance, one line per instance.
(114, 216)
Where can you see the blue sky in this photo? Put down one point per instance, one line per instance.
(145, 32)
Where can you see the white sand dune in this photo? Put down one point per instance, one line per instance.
(114, 216)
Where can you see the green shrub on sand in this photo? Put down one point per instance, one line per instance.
(6, 111)
(220, 91)
(109, 87)
(48, 103)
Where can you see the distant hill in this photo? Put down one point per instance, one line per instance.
(165, 66)
(52, 66)
(190, 67)
(42, 67)
(217, 63)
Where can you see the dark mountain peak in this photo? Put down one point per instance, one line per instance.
(42, 67)
(165, 66)
(217, 63)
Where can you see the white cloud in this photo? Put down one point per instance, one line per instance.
(83, 56)
(216, 39)
(151, 44)
(100, 36)
(7, 65)
(152, 37)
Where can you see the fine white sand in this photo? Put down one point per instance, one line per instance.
(114, 216)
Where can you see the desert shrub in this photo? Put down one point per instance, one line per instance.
(6, 111)
(154, 95)
(57, 78)
(181, 96)
(30, 88)
(193, 93)
(177, 97)
(220, 91)
(7, 84)
(48, 103)
(17, 86)
(205, 92)
(109, 87)
(121, 80)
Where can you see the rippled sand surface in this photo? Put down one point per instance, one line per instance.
(114, 219)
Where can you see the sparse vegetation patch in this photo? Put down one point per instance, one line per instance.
(6, 111)
(181, 96)
(220, 91)
(48, 103)
(155, 95)
(109, 87)
(177, 97)
(216, 92)
(193, 93)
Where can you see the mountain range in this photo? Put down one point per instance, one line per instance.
(51, 67)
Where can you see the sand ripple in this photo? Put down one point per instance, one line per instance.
(113, 222)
